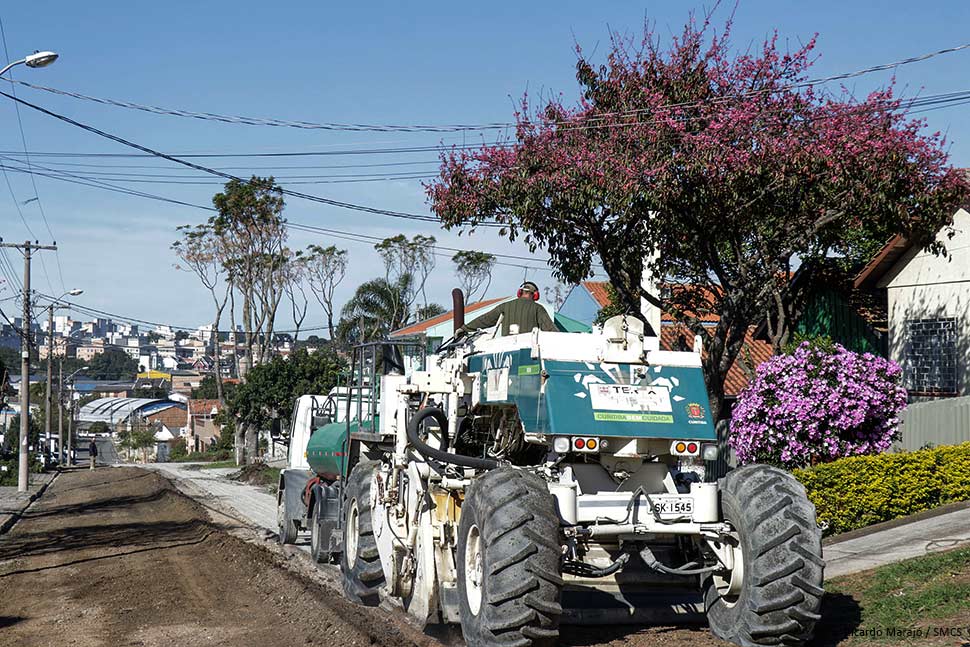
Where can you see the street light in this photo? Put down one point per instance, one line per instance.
(70, 421)
(54, 304)
(37, 59)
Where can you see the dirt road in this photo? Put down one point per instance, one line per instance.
(117, 557)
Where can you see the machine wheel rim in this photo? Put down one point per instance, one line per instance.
(315, 533)
(353, 532)
(729, 585)
(474, 569)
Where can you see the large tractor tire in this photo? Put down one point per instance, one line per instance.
(509, 563)
(360, 562)
(287, 528)
(775, 599)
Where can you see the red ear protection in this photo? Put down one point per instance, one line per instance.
(535, 291)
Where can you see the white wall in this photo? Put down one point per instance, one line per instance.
(923, 286)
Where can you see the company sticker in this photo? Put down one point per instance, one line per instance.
(630, 397)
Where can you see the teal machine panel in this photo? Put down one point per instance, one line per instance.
(585, 399)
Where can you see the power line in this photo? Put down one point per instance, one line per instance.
(364, 238)
(354, 237)
(930, 100)
(446, 128)
(228, 176)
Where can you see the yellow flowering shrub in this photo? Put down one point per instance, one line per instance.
(859, 491)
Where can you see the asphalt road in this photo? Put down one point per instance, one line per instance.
(107, 454)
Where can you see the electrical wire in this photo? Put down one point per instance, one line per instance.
(36, 198)
(446, 128)
(934, 101)
(228, 176)
(363, 238)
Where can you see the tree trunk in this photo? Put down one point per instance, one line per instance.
(252, 443)
(239, 445)
(235, 338)
(216, 354)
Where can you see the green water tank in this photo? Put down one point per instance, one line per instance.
(325, 453)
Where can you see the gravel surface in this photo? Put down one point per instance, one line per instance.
(116, 557)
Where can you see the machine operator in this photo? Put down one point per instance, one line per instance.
(520, 315)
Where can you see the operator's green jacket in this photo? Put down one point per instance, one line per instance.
(521, 311)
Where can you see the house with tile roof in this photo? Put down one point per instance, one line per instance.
(928, 310)
(201, 427)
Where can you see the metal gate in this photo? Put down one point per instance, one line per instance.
(936, 422)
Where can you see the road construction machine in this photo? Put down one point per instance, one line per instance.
(512, 484)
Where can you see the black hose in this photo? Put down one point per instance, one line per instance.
(583, 569)
(430, 452)
(684, 571)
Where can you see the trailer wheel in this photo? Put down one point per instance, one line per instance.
(360, 563)
(775, 598)
(318, 551)
(509, 565)
(287, 527)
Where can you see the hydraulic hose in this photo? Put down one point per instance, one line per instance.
(430, 452)
(583, 569)
(685, 571)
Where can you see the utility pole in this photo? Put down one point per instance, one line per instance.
(27, 248)
(60, 413)
(50, 378)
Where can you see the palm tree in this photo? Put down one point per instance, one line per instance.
(377, 307)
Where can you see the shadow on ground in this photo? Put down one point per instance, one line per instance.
(841, 615)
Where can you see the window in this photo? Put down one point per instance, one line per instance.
(931, 356)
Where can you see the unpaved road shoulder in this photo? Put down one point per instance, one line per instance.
(116, 557)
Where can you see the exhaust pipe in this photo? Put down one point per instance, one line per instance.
(458, 305)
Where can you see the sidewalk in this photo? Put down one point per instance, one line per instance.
(13, 503)
(897, 540)
(252, 504)
(858, 551)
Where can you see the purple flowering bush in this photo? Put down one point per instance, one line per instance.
(816, 405)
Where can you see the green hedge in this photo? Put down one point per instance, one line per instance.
(862, 490)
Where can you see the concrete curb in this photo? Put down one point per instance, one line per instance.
(12, 518)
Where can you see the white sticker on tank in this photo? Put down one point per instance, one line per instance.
(629, 397)
(497, 387)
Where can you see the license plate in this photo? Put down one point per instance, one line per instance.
(673, 507)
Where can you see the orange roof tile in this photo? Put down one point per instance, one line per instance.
(598, 290)
(753, 353)
(422, 326)
(203, 407)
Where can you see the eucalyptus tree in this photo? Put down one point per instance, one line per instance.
(200, 251)
(474, 271)
(326, 267)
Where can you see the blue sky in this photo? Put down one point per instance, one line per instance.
(432, 62)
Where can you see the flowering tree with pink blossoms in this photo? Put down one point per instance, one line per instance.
(815, 405)
(722, 168)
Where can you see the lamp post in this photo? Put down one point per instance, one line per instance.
(37, 59)
(50, 372)
(70, 415)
